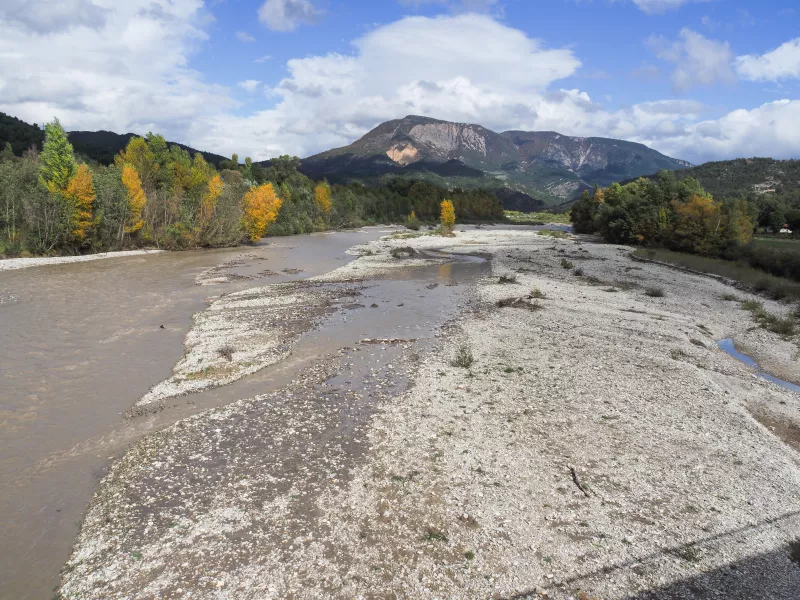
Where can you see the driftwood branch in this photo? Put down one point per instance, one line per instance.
(578, 483)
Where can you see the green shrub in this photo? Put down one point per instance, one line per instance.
(463, 358)
(565, 264)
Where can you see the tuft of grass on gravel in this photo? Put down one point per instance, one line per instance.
(784, 326)
(537, 293)
(463, 358)
(654, 292)
(226, 352)
(565, 264)
(469, 555)
(519, 303)
(507, 278)
(578, 272)
(403, 252)
(434, 535)
(729, 297)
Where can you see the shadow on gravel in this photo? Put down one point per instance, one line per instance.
(773, 575)
(764, 576)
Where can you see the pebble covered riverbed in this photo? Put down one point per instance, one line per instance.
(558, 435)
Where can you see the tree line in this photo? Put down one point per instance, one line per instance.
(158, 195)
(772, 186)
(680, 216)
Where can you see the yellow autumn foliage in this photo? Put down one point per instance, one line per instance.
(80, 194)
(136, 199)
(208, 202)
(448, 217)
(261, 206)
(323, 195)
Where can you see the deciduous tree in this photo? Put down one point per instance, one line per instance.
(80, 195)
(57, 162)
(136, 199)
(209, 201)
(448, 217)
(261, 205)
(322, 193)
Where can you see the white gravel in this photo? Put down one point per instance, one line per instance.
(600, 446)
(10, 264)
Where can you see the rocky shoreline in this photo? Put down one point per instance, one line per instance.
(566, 436)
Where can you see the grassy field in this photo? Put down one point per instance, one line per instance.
(777, 242)
(537, 218)
(776, 287)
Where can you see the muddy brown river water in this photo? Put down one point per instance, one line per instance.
(82, 342)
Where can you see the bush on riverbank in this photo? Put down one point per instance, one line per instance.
(681, 217)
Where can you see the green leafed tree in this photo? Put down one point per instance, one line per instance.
(57, 161)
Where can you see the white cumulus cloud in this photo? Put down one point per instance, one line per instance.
(126, 71)
(781, 63)
(286, 15)
(249, 85)
(699, 61)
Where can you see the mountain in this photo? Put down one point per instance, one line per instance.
(547, 166)
(100, 146)
(103, 146)
(19, 134)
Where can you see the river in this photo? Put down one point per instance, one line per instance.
(81, 343)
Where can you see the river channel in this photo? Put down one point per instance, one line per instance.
(82, 342)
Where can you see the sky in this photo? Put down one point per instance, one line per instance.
(695, 79)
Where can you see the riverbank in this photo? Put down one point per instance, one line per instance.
(567, 436)
(10, 264)
(84, 342)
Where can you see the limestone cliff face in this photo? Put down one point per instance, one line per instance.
(403, 154)
(449, 138)
(543, 164)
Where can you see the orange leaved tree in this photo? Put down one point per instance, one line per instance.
(261, 206)
(323, 195)
(136, 200)
(448, 218)
(80, 195)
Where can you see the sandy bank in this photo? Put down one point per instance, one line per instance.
(10, 264)
(600, 445)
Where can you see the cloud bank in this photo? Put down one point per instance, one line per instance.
(125, 67)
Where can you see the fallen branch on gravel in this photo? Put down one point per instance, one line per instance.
(578, 483)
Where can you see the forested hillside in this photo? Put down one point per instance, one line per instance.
(97, 146)
(157, 194)
(19, 134)
(772, 186)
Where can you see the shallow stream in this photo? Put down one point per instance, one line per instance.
(728, 346)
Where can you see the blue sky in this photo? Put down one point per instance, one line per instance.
(695, 79)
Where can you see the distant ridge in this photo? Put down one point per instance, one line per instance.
(99, 146)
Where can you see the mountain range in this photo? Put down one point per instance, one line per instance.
(545, 165)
